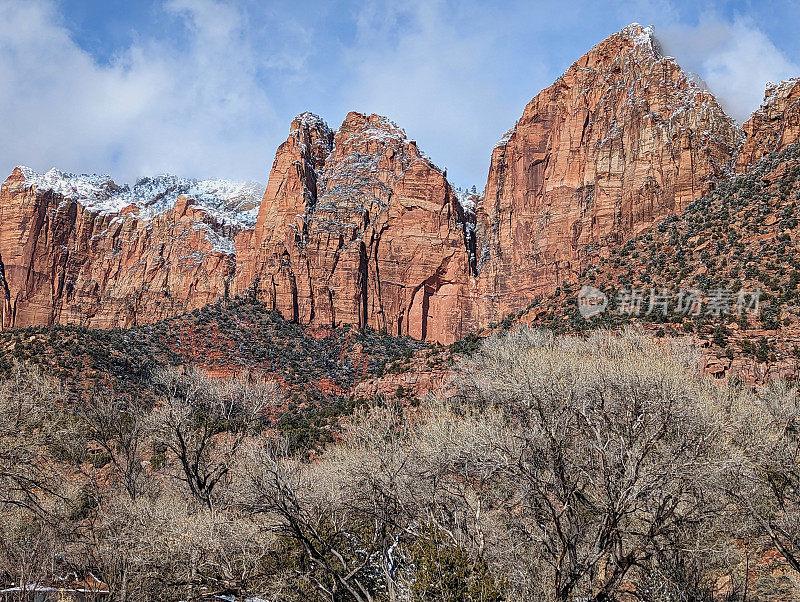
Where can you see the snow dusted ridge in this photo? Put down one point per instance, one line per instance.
(641, 36)
(230, 203)
(385, 130)
(506, 137)
(466, 197)
(774, 90)
(310, 121)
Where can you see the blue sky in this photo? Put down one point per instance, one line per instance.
(207, 88)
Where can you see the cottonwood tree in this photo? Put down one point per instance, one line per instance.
(763, 476)
(39, 508)
(121, 430)
(302, 505)
(458, 489)
(612, 441)
(346, 511)
(305, 505)
(203, 422)
(459, 477)
(29, 420)
(358, 512)
(375, 462)
(28, 545)
(160, 547)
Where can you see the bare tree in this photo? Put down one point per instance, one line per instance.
(29, 409)
(28, 546)
(203, 421)
(612, 439)
(121, 431)
(357, 511)
(165, 547)
(375, 462)
(763, 476)
(305, 504)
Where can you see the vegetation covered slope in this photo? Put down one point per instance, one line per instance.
(317, 372)
(557, 469)
(743, 236)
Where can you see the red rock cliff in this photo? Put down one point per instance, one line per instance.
(358, 227)
(62, 262)
(774, 126)
(622, 139)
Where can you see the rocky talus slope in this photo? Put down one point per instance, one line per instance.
(357, 226)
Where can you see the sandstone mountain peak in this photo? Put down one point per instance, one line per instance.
(357, 226)
(365, 235)
(308, 120)
(312, 136)
(373, 135)
(623, 138)
(83, 250)
(639, 35)
(774, 125)
(639, 40)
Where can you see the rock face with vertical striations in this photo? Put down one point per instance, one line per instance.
(622, 139)
(774, 125)
(81, 250)
(357, 226)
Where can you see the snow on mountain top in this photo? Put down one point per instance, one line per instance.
(232, 203)
(641, 36)
(466, 197)
(310, 120)
(775, 89)
(359, 127)
(384, 124)
(632, 29)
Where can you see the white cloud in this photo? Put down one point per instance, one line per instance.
(456, 75)
(196, 110)
(434, 68)
(735, 58)
(214, 96)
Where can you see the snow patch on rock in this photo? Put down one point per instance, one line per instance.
(641, 36)
(506, 137)
(775, 90)
(230, 203)
(309, 120)
(467, 197)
